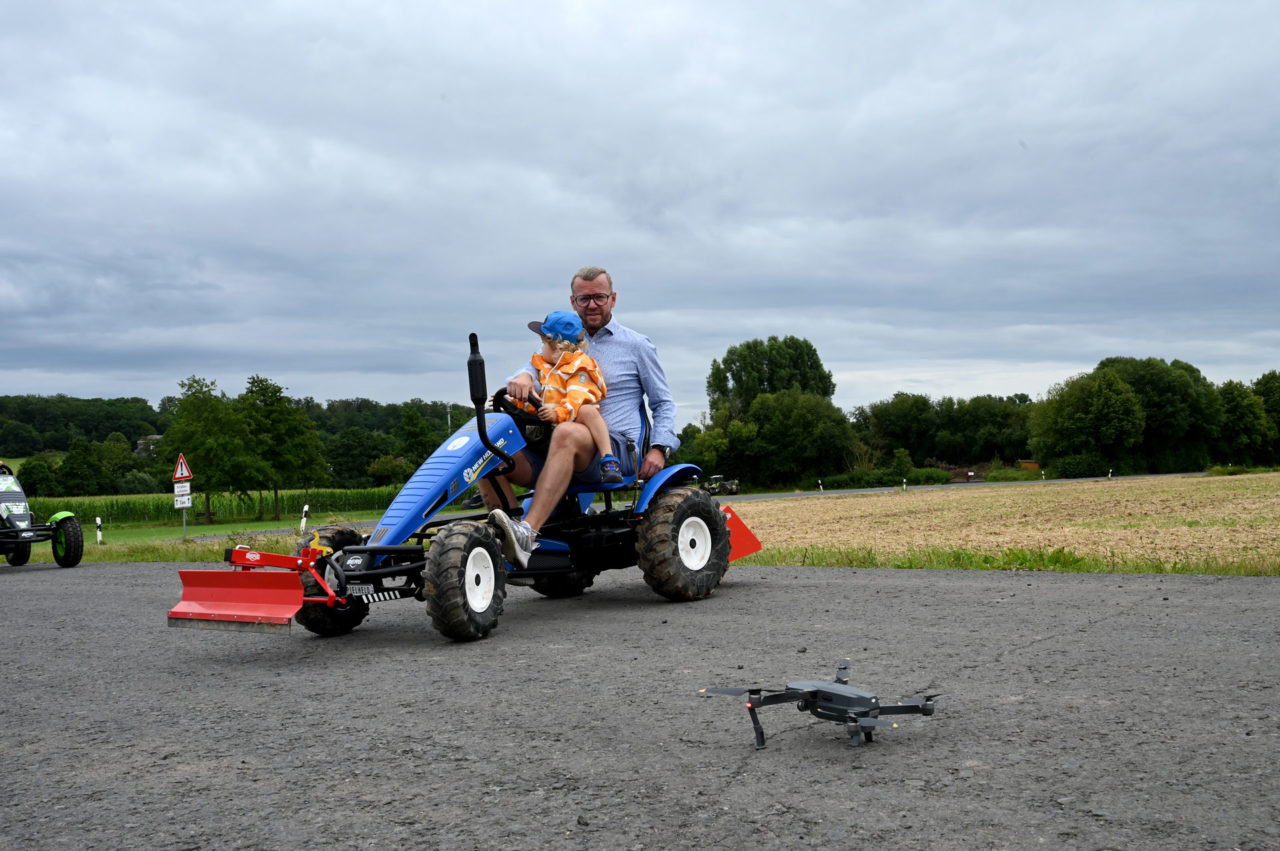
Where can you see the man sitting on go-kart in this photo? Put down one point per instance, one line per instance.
(631, 369)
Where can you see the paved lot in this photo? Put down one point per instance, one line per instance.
(1080, 712)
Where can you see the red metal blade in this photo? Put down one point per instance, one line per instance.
(742, 541)
(231, 599)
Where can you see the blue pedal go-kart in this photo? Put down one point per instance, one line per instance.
(679, 537)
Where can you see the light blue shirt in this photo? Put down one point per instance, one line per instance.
(632, 373)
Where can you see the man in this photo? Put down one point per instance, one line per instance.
(629, 363)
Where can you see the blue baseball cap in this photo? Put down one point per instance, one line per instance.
(559, 325)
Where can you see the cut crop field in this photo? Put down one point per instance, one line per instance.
(1174, 523)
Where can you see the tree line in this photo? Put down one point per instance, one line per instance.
(259, 440)
(771, 423)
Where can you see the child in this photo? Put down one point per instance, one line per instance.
(572, 386)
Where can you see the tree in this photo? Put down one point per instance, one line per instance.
(19, 440)
(214, 437)
(1095, 418)
(799, 435)
(756, 366)
(1267, 388)
(283, 437)
(1168, 396)
(351, 451)
(39, 476)
(416, 436)
(1247, 431)
(80, 474)
(907, 421)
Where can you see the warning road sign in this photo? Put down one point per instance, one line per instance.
(181, 472)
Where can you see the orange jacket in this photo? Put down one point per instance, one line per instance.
(573, 381)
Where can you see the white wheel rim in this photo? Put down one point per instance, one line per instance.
(694, 543)
(479, 579)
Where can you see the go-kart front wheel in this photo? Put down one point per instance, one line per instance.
(466, 580)
(683, 544)
(19, 555)
(68, 542)
(324, 620)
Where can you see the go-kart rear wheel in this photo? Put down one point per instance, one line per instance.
(319, 618)
(19, 555)
(68, 542)
(683, 544)
(466, 580)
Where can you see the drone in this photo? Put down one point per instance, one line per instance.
(860, 711)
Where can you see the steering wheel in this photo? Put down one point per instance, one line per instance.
(537, 433)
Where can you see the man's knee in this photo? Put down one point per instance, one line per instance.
(572, 436)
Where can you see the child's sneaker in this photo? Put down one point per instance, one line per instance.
(610, 470)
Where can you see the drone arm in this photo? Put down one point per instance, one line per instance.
(910, 706)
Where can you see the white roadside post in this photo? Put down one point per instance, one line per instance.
(98, 522)
(306, 512)
(182, 491)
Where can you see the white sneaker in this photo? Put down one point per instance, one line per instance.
(517, 537)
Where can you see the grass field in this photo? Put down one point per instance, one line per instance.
(1173, 524)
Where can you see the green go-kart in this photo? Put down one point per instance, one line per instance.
(18, 529)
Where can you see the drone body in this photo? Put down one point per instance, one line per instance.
(860, 711)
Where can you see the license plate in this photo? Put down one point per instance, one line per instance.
(359, 589)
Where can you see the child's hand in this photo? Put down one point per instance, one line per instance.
(547, 413)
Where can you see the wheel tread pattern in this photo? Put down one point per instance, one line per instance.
(659, 550)
(68, 542)
(318, 618)
(445, 590)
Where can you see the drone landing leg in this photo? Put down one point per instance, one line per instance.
(755, 722)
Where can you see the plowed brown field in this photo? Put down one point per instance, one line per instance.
(1171, 519)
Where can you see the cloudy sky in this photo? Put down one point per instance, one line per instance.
(949, 198)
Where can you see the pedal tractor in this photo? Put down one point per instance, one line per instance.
(680, 538)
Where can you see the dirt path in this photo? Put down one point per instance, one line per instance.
(1080, 712)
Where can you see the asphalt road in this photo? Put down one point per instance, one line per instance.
(1079, 712)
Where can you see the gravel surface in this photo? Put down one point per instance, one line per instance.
(1080, 711)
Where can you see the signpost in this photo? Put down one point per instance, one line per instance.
(182, 490)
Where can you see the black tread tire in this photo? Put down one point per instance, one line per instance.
(19, 555)
(318, 618)
(683, 544)
(562, 587)
(465, 556)
(68, 542)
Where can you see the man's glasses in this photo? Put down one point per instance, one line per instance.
(594, 298)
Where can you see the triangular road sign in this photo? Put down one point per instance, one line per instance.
(181, 472)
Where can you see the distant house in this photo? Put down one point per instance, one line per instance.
(1029, 465)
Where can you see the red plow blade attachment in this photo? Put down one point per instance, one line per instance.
(257, 600)
(742, 541)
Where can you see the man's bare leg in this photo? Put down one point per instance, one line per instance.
(521, 475)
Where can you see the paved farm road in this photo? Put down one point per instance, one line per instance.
(1080, 712)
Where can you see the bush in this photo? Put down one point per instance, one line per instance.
(1084, 466)
(1010, 474)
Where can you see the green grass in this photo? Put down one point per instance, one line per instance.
(205, 543)
(1056, 560)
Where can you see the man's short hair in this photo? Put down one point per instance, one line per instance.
(590, 273)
